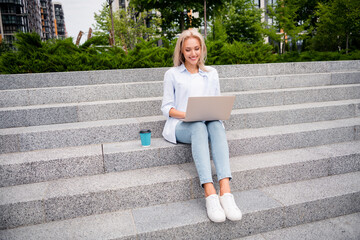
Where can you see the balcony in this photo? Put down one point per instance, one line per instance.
(17, 2)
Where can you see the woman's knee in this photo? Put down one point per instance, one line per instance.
(215, 126)
(199, 128)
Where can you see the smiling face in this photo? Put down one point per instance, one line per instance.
(191, 50)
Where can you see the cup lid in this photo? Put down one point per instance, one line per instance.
(145, 131)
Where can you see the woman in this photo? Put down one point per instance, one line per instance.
(190, 77)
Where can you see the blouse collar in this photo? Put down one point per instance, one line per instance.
(182, 68)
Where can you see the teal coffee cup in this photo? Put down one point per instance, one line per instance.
(145, 136)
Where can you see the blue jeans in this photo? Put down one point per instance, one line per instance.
(199, 134)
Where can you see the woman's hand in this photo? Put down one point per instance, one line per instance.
(177, 114)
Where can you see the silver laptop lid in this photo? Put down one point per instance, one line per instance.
(209, 108)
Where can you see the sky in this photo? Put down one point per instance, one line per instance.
(79, 16)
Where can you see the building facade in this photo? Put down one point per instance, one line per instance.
(118, 4)
(13, 18)
(47, 19)
(34, 16)
(59, 21)
(31, 16)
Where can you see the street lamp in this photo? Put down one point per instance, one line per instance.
(112, 23)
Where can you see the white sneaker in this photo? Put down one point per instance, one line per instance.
(214, 209)
(232, 211)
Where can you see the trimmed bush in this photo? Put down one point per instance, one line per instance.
(34, 56)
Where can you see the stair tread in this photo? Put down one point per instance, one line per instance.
(84, 102)
(343, 227)
(113, 122)
(268, 197)
(156, 175)
(189, 219)
(160, 81)
(94, 103)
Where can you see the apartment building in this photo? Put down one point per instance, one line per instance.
(13, 18)
(32, 8)
(47, 19)
(59, 21)
(118, 4)
(40, 16)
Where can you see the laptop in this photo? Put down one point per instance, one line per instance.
(209, 108)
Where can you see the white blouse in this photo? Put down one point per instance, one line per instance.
(179, 85)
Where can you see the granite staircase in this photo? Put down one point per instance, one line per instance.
(72, 167)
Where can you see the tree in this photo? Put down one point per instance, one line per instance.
(129, 25)
(174, 14)
(338, 23)
(285, 14)
(218, 30)
(243, 22)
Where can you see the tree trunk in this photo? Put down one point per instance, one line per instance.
(182, 21)
(347, 43)
(205, 27)
(112, 26)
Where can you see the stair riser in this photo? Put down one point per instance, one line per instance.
(40, 171)
(28, 97)
(41, 80)
(122, 161)
(129, 131)
(24, 97)
(80, 113)
(280, 97)
(292, 140)
(262, 221)
(116, 161)
(129, 109)
(68, 207)
(17, 81)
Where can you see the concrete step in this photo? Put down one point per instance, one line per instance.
(343, 227)
(76, 94)
(141, 107)
(264, 209)
(87, 195)
(85, 133)
(51, 164)
(39, 80)
(130, 155)
(58, 79)
(105, 92)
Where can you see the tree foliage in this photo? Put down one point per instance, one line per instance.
(174, 14)
(243, 22)
(338, 24)
(220, 53)
(64, 55)
(285, 15)
(331, 29)
(129, 25)
(327, 25)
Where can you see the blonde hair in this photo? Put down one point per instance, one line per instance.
(179, 58)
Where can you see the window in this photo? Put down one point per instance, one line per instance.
(122, 3)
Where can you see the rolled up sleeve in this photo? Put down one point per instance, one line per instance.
(168, 101)
(217, 82)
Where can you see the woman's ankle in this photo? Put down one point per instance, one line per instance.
(224, 186)
(209, 189)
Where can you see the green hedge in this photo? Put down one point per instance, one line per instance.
(318, 56)
(34, 56)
